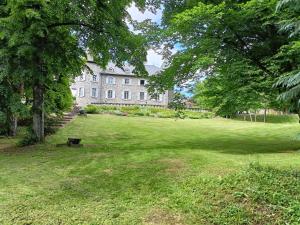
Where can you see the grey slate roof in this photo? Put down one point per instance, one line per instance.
(128, 69)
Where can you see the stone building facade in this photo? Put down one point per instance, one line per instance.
(116, 86)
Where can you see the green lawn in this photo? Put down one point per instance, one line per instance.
(139, 170)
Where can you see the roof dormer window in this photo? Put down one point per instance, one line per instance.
(111, 69)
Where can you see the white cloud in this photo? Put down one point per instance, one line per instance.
(153, 58)
(141, 16)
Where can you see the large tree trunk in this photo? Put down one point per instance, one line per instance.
(13, 124)
(38, 111)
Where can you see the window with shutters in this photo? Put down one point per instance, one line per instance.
(81, 92)
(142, 96)
(110, 94)
(94, 92)
(127, 81)
(110, 80)
(126, 95)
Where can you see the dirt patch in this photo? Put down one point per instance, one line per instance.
(221, 172)
(5, 146)
(108, 171)
(14, 149)
(163, 217)
(173, 165)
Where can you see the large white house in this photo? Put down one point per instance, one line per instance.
(116, 86)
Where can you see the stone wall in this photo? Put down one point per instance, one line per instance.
(118, 87)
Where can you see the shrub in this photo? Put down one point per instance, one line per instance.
(194, 115)
(139, 113)
(108, 107)
(143, 111)
(92, 109)
(208, 115)
(146, 111)
(119, 113)
(156, 110)
(29, 139)
(166, 114)
(131, 110)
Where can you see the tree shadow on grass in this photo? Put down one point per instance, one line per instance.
(240, 145)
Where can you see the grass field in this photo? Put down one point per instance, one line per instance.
(140, 170)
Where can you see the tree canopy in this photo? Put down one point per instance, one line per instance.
(239, 44)
(43, 42)
(290, 81)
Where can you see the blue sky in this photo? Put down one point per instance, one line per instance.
(153, 58)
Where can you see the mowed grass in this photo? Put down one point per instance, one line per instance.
(139, 170)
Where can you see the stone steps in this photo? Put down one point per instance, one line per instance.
(67, 118)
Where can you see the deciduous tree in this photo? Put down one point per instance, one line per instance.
(51, 38)
(240, 43)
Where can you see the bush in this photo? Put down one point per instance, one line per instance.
(119, 113)
(146, 111)
(140, 113)
(194, 115)
(199, 115)
(166, 114)
(92, 109)
(156, 110)
(28, 139)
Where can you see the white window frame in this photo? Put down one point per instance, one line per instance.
(124, 81)
(74, 92)
(110, 78)
(113, 94)
(96, 93)
(81, 92)
(145, 96)
(129, 95)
